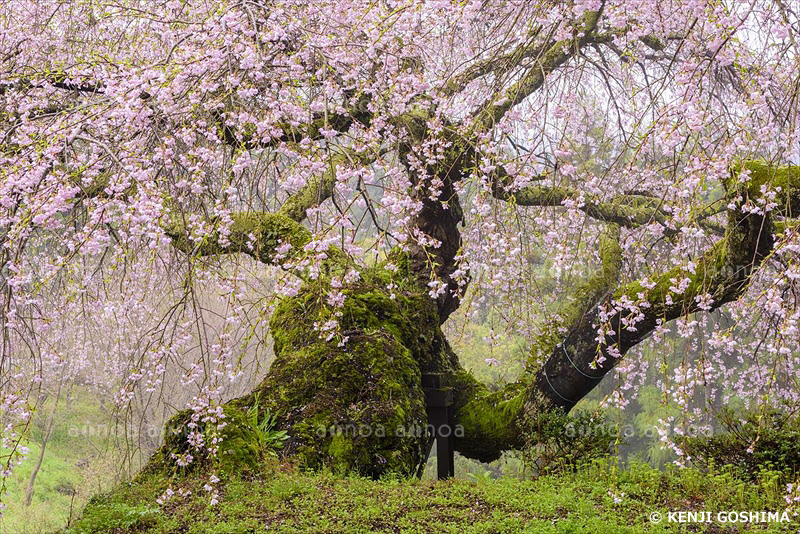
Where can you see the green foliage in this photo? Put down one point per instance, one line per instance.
(247, 439)
(81, 458)
(558, 441)
(468, 339)
(645, 439)
(263, 426)
(288, 501)
(760, 442)
(121, 516)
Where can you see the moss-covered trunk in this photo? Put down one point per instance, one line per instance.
(355, 402)
(351, 401)
(351, 398)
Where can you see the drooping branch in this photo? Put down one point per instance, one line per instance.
(494, 421)
(719, 276)
(266, 236)
(357, 113)
(584, 295)
(496, 65)
(432, 254)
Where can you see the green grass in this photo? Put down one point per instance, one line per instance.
(283, 500)
(52, 497)
(79, 461)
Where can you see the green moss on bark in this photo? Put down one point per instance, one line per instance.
(490, 419)
(353, 405)
(240, 446)
(255, 233)
(762, 175)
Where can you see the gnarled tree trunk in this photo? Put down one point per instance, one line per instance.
(354, 402)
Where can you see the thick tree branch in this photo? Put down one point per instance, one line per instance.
(261, 235)
(288, 133)
(497, 65)
(340, 122)
(555, 55)
(264, 236)
(256, 234)
(59, 82)
(719, 276)
(627, 210)
(495, 421)
(320, 188)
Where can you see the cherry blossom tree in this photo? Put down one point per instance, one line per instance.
(592, 170)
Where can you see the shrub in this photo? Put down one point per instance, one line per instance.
(558, 441)
(758, 441)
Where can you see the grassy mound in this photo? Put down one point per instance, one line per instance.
(596, 498)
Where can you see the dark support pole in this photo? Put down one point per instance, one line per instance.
(439, 403)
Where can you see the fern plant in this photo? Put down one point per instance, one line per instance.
(262, 423)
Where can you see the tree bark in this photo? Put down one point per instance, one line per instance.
(353, 401)
(45, 438)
